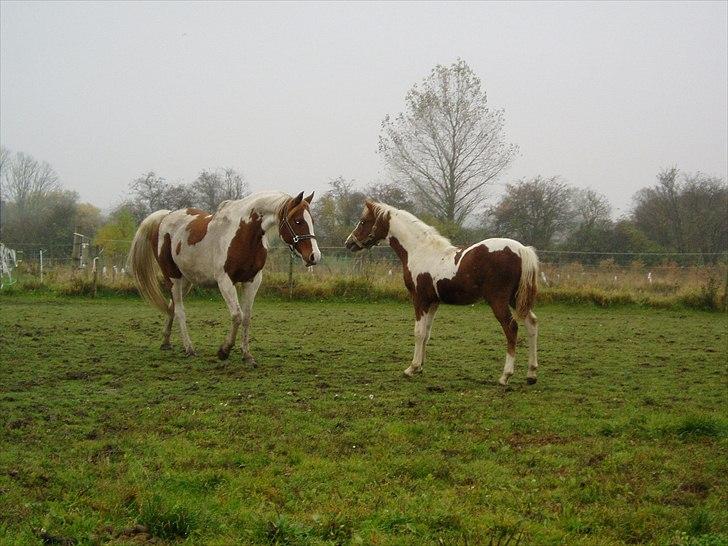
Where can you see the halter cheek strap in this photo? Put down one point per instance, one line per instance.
(366, 243)
(295, 238)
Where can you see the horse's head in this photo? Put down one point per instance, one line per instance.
(371, 229)
(296, 229)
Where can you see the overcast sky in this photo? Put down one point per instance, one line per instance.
(293, 94)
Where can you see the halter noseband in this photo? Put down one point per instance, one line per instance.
(295, 237)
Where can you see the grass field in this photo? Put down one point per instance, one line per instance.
(106, 439)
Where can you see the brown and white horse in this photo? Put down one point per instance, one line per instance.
(190, 246)
(503, 272)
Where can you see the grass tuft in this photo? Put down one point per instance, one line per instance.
(166, 522)
(699, 426)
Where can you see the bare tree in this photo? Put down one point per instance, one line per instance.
(148, 192)
(4, 160)
(534, 211)
(337, 210)
(447, 145)
(591, 209)
(212, 188)
(27, 179)
(391, 194)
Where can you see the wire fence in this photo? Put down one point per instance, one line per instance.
(379, 264)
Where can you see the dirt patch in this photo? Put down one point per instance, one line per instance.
(518, 440)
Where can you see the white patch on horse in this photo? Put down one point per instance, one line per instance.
(314, 244)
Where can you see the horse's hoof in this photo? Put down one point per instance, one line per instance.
(410, 372)
(250, 361)
(503, 381)
(166, 346)
(531, 380)
(223, 353)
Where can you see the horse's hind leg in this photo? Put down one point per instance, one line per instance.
(249, 291)
(230, 295)
(532, 329)
(510, 328)
(179, 288)
(166, 345)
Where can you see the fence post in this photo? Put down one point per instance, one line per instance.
(290, 275)
(96, 275)
(41, 267)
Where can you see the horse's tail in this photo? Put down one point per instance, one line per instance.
(142, 261)
(528, 283)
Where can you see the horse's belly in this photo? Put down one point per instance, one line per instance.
(456, 293)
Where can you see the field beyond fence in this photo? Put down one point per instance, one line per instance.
(377, 275)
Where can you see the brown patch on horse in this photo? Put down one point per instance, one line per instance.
(165, 260)
(425, 295)
(246, 254)
(197, 227)
(482, 274)
(179, 247)
(423, 291)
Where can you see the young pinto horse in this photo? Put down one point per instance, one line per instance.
(190, 246)
(502, 272)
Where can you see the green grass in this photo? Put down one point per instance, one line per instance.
(106, 439)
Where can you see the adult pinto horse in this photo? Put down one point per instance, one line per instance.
(190, 246)
(502, 272)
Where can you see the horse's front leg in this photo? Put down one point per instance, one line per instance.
(249, 291)
(423, 326)
(230, 295)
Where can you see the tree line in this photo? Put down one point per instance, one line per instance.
(442, 153)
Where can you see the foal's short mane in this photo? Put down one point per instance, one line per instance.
(417, 226)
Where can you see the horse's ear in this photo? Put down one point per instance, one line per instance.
(370, 204)
(309, 198)
(297, 200)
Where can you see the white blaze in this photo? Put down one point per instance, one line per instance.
(314, 244)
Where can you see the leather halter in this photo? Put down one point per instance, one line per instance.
(368, 241)
(295, 237)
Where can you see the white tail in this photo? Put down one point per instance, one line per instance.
(528, 283)
(143, 263)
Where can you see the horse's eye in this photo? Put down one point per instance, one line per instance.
(298, 222)
(361, 223)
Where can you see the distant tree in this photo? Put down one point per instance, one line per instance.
(337, 211)
(5, 159)
(179, 196)
(212, 188)
(391, 194)
(36, 209)
(148, 193)
(592, 226)
(534, 211)
(28, 179)
(684, 213)
(87, 219)
(115, 235)
(448, 145)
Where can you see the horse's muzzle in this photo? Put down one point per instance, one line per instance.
(352, 245)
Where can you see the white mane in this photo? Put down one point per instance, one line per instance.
(265, 201)
(414, 226)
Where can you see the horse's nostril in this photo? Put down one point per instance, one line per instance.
(312, 258)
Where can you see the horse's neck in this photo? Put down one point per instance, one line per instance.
(416, 240)
(265, 204)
